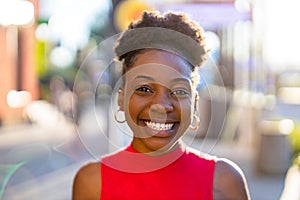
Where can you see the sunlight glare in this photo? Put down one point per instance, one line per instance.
(16, 12)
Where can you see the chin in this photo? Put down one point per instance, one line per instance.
(160, 144)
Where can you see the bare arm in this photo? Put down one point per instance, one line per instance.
(229, 182)
(87, 183)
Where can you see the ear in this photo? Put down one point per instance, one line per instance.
(196, 101)
(121, 99)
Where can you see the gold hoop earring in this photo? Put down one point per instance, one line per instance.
(116, 117)
(197, 123)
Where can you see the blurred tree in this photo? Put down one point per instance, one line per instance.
(104, 26)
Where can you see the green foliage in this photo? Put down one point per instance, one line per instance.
(295, 142)
(295, 138)
(297, 160)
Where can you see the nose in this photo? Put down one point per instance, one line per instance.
(162, 103)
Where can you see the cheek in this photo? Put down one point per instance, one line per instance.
(185, 109)
(132, 110)
(128, 102)
(185, 116)
(134, 107)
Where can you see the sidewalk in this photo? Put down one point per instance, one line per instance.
(22, 133)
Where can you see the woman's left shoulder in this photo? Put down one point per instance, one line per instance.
(229, 180)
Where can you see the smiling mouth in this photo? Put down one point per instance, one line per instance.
(159, 126)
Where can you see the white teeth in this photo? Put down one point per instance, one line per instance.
(159, 126)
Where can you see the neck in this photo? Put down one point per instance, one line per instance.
(140, 147)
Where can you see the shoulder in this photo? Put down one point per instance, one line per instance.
(229, 181)
(87, 182)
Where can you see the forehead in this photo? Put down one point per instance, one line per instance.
(161, 65)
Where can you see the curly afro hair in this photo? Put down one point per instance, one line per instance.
(175, 21)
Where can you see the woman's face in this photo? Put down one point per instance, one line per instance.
(157, 99)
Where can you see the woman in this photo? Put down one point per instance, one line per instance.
(160, 55)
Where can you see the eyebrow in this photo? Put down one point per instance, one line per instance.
(144, 77)
(173, 80)
(180, 80)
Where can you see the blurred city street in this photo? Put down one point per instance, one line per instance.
(59, 79)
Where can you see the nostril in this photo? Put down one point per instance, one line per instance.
(157, 107)
(161, 108)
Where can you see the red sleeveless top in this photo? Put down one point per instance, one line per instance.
(129, 175)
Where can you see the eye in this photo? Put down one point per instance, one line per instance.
(180, 92)
(144, 89)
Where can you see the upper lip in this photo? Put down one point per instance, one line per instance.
(161, 121)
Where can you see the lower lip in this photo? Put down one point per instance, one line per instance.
(162, 133)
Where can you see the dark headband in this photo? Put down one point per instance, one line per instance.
(161, 38)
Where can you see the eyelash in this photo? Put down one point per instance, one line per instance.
(144, 89)
(177, 92)
(180, 92)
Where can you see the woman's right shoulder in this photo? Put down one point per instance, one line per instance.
(87, 182)
(90, 168)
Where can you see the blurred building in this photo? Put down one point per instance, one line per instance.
(17, 62)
